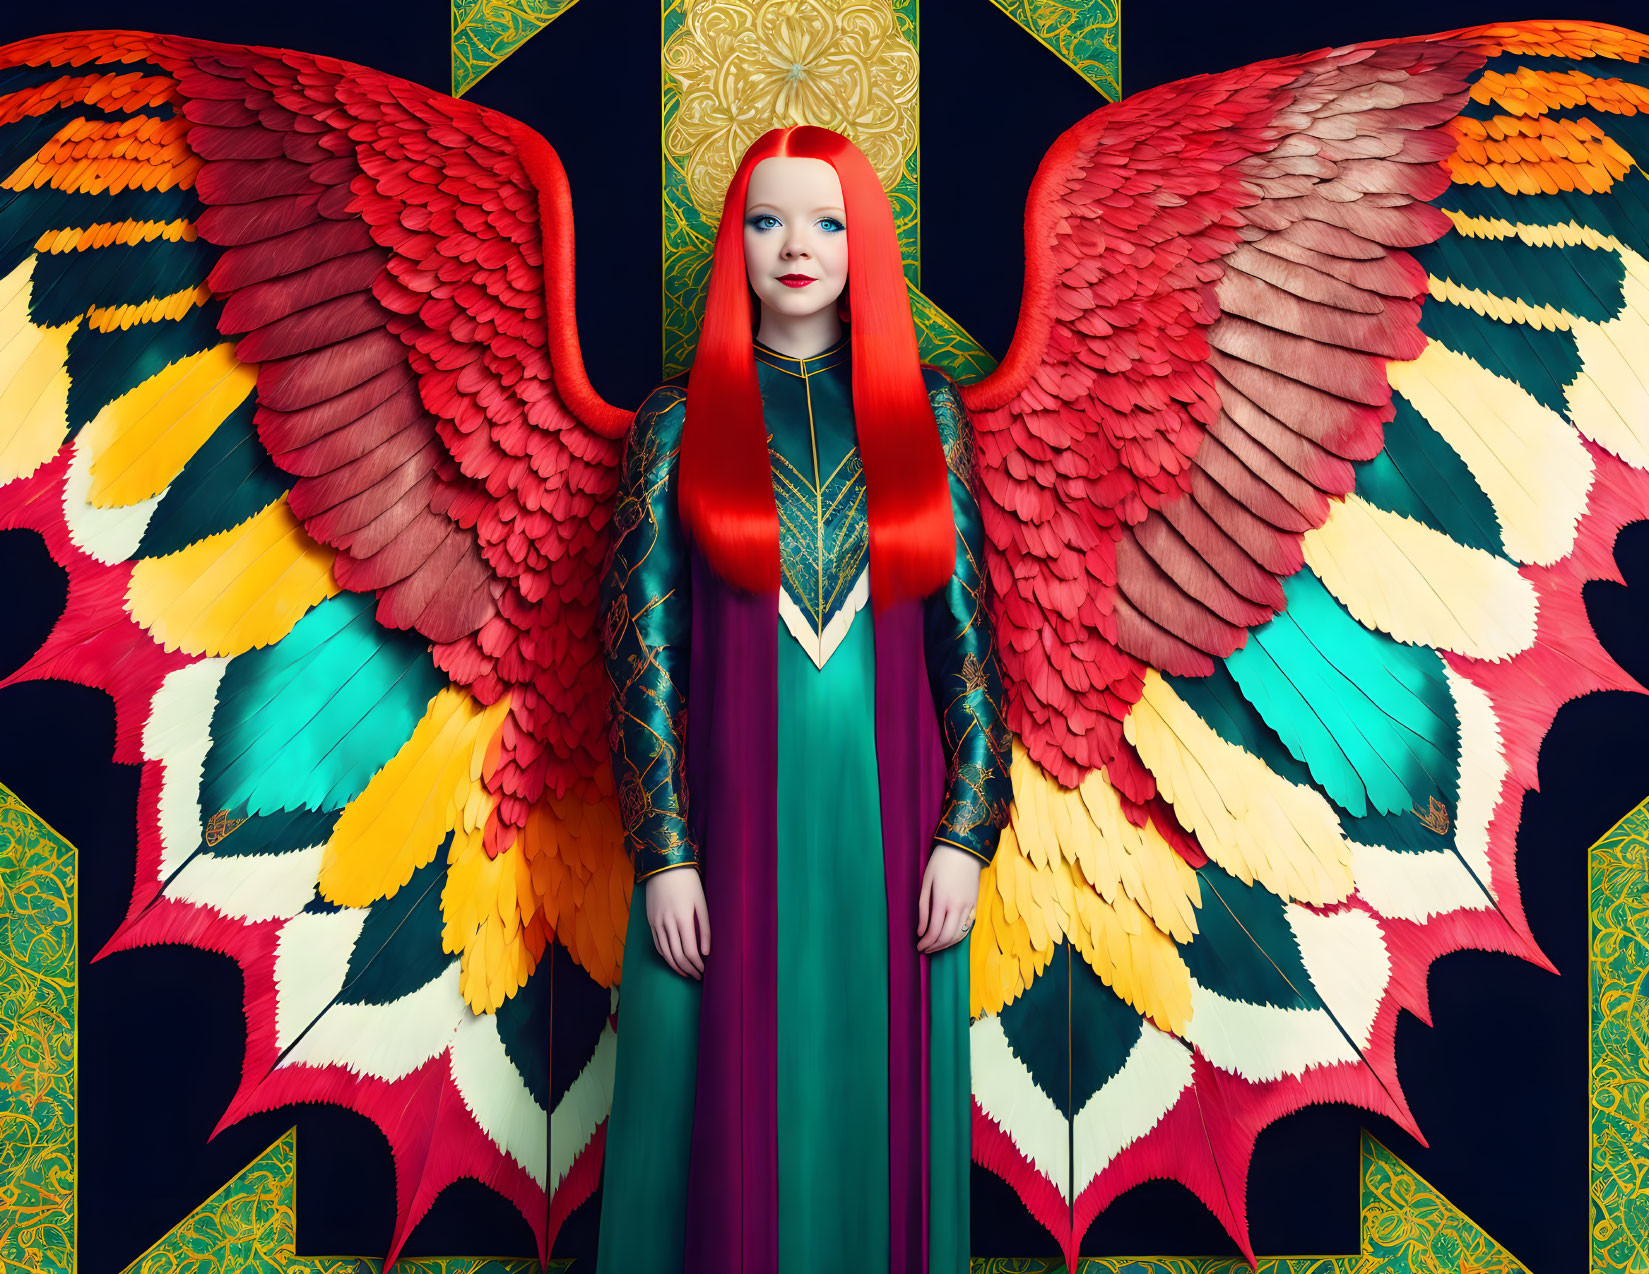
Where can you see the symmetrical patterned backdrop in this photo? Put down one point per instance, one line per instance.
(727, 70)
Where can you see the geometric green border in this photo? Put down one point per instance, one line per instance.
(1407, 1227)
(1086, 34)
(485, 32)
(1619, 1046)
(39, 1043)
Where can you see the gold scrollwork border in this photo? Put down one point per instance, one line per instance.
(485, 32)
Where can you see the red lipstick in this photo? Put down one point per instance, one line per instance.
(796, 280)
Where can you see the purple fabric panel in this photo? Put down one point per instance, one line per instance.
(732, 803)
(911, 770)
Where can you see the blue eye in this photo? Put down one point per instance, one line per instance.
(830, 225)
(763, 221)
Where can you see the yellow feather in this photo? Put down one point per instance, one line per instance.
(1609, 401)
(142, 440)
(579, 877)
(34, 383)
(498, 950)
(470, 918)
(235, 590)
(1524, 455)
(398, 822)
(1251, 821)
(1404, 578)
(465, 900)
(1030, 908)
(1133, 957)
(1032, 900)
(1006, 864)
(1569, 234)
(156, 309)
(1002, 959)
(1086, 828)
(1506, 309)
(106, 233)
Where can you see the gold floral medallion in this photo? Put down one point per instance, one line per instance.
(745, 66)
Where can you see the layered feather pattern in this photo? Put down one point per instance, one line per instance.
(1328, 396)
(285, 389)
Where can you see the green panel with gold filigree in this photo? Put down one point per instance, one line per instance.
(485, 32)
(1087, 35)
(944, 343)
(38, 1043)
(1619, 901)
(252, 1225)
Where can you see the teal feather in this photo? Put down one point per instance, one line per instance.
(524, 1020)
(1104, 1029)
(1370, 717)
(1585, 282)
(1244, 948)
(307, 721)
(1037, 1026)
(1623, 212)
(27, 215)
(281, 833)
(65, 283)
(1218, 701)
(1420, 476)
(399, 948)
(229, 479)
(1543, 361)
(104, 365)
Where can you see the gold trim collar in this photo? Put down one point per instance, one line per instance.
(820, 362)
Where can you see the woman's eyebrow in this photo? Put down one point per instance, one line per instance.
(829, 207)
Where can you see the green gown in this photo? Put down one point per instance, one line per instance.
(832, 930)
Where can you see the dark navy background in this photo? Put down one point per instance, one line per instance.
(1498, 1085)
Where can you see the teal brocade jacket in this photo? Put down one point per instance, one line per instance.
(824, 564)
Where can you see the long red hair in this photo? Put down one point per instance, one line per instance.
(725, 492)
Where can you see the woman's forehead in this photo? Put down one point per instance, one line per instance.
(789, 181)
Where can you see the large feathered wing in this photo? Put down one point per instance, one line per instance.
(290, 387)
(1330, 391)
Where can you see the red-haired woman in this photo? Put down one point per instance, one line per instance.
(818, 780)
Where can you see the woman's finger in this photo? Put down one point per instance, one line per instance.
(677, 946)
(672, 938)
(690, 943)
(943, 919)
(701, 912)
(936, 924)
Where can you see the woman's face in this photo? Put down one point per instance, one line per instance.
(795, 235)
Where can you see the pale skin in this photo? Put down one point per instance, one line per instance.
(795, 225)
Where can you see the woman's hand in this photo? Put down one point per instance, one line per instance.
(950, 892)
(679, 919)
